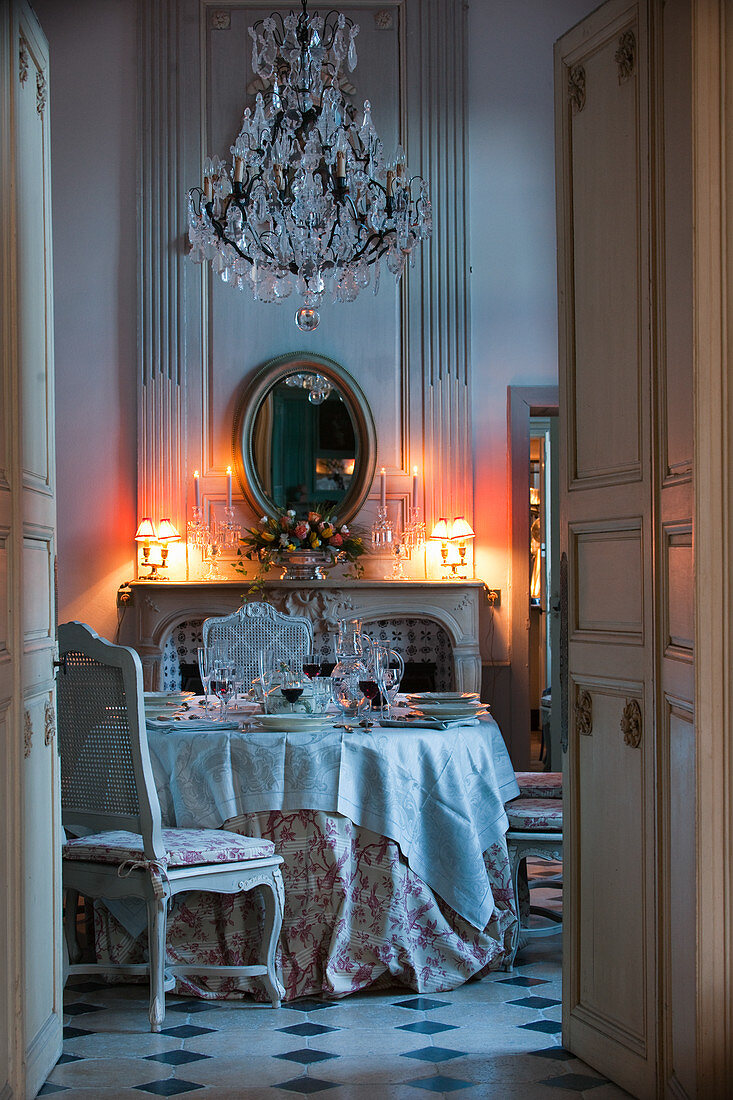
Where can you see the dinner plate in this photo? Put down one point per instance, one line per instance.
(293, 723)
(158, 697)
(443, 696)
(447, 713)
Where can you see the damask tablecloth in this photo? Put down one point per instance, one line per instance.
(438, 794)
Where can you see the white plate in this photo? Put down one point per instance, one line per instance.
(447, 713)
(159, 697)
(443, 696)
(293, 723)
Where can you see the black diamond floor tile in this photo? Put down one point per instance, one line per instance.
(520, 980)
(440, 1084)
(186, 1031)
(66, 1058)
(84, 987)
(575, 1082)
(71, 1032)
(170, 1087)
(426, 1027)
(306, 1056)
(192, 1006)
(81, 1007)
(433, 1054)
(557, 1054)
(48, 1088)
(535, 1002)
(421, 1004)
(307, 1030)
(306, 1085)
(309, 1004)
(176, 1057)
(549, 1027)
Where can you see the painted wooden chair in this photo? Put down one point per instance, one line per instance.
(116, 846)
(535, 830)
(257, 626)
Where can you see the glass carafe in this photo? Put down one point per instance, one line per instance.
(353, 669)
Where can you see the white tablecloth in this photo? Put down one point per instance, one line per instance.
(438, 794)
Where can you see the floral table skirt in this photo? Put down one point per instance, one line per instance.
(355, 916)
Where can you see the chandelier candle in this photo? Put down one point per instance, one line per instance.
(310, 198)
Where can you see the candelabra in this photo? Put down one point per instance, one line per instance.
(211, 538)
(402, 542)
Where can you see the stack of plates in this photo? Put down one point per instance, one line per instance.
(164, 704)
(447, 706)
(294, 723)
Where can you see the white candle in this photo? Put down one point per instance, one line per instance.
(383, 487)
(229, 486)
(196, 490)
(414, 486)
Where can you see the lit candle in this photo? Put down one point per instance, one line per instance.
(196, 490)
(414, 486)
(229, 486)
(383, 487)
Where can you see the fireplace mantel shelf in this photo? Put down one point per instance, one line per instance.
(152, 609)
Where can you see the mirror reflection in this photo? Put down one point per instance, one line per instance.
(305, 443)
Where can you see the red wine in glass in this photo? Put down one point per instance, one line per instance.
(370, 688)
(311, 669)
(292, 694)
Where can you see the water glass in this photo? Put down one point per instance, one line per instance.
(205, 656)
(321, 694)
(267, 668)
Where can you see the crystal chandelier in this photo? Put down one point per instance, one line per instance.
(310, 198)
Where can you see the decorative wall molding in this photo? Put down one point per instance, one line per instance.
(625, 56)
(576, 88)
(23, 59)
(49, 722)
(27, 734)
(584, 713)
(631, 723)
(40, 91)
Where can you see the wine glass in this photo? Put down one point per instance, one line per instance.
(205, 655)
(313, 665)
(292, 687)
(267, 665)
(390, 670)
(222, 684)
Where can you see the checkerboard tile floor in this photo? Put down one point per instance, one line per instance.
(497, 1038)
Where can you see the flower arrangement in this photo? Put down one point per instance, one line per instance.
(276, 537)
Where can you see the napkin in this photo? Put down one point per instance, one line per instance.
(166, 725)
(428, 723)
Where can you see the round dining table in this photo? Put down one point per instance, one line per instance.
(396, 869)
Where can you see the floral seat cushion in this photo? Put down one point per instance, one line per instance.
(535, 814)
(539, 784)
(185, 847)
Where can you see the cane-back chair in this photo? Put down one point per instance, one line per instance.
(257, 626)
(116, 846)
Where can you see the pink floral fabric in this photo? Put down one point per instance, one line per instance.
(355, 916)
(184, 847)
(535, 813)
(539, 784)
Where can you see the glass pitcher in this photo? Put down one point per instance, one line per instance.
(354, 672)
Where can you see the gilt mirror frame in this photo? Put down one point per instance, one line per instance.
(264, 381)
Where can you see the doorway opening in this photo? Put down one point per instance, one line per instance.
(543, 542)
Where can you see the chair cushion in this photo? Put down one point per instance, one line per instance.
(535, 814)
(539, 784)
(184, 847)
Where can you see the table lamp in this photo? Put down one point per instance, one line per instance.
(461, 531)
(441, 534)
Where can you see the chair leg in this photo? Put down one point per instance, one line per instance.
(274, 896)
(71, 904)
(157, 927)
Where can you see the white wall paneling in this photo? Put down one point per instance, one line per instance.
(201, 340)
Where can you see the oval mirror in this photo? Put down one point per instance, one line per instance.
(304, 438)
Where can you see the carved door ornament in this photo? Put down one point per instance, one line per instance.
(576, 88)
(584, 713)
(626, 55)
(631, 723)
(49, 722)
(40, 92)
(27, 735)
(23, 60)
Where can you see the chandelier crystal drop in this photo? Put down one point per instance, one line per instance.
(310, 199)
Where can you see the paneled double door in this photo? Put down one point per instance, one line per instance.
(624, 220)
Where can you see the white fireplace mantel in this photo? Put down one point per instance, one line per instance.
(150, 610)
